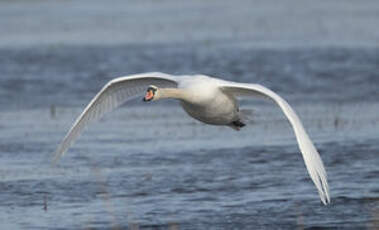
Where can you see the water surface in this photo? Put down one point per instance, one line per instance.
(150, 166)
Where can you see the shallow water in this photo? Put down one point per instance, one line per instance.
(150, 166)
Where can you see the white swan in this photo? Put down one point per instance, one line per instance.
(210, 100)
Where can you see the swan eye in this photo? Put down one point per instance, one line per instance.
(152, 88)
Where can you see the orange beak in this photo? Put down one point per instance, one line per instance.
(149, 96)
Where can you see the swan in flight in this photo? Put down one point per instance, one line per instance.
(210, 100)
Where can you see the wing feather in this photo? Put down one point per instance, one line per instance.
(111, 96)
(311, 157)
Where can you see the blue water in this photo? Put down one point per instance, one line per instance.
(150, 166)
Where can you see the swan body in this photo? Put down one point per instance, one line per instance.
(206, 102)
(207, 99)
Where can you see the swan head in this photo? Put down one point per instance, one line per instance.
(151, 93)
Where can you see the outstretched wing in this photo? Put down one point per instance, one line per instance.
(311, 157)
(111, 96)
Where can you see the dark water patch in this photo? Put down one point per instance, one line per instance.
(66, 76)
(372, 174)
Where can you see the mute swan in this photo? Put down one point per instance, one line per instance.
(210, 100)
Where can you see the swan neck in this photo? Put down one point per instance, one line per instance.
(172, 93)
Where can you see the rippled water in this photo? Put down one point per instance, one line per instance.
(150, 166)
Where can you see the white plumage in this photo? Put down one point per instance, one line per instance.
(210, 100)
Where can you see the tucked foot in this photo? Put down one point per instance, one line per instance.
(237, 125)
